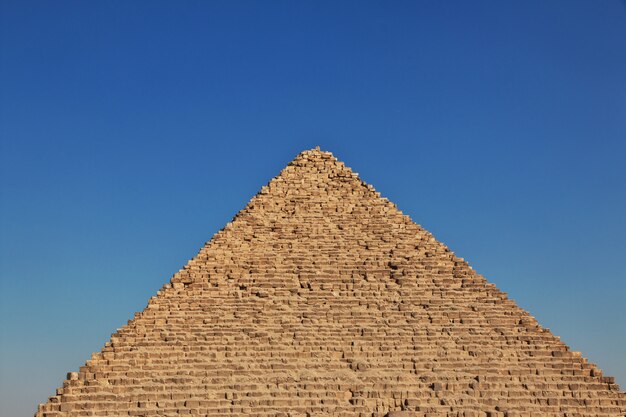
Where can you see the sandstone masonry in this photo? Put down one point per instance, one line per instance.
(321, 298)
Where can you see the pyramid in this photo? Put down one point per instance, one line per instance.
(322, 298)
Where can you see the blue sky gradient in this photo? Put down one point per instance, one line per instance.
(130, 132)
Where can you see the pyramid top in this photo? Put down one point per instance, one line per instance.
(313, 190)
(322, 298)
(315, 152)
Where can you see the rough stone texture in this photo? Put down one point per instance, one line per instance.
(322, 298)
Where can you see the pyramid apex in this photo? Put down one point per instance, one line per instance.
(314, 154)
(318, 151)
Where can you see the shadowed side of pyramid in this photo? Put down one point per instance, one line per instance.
(322, 298)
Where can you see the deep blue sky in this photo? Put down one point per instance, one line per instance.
(133, 131)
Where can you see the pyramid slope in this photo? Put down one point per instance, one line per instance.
(322, 298)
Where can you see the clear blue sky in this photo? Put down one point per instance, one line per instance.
(133, 131)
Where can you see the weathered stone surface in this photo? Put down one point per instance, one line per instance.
(322, 298)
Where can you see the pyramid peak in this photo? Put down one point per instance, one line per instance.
(317, 151)
(323, 160)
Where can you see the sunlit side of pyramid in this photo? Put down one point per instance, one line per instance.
(322, 298)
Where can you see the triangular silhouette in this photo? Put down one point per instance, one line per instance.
(322, 298)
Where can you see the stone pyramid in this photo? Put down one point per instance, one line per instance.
(322, 298)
